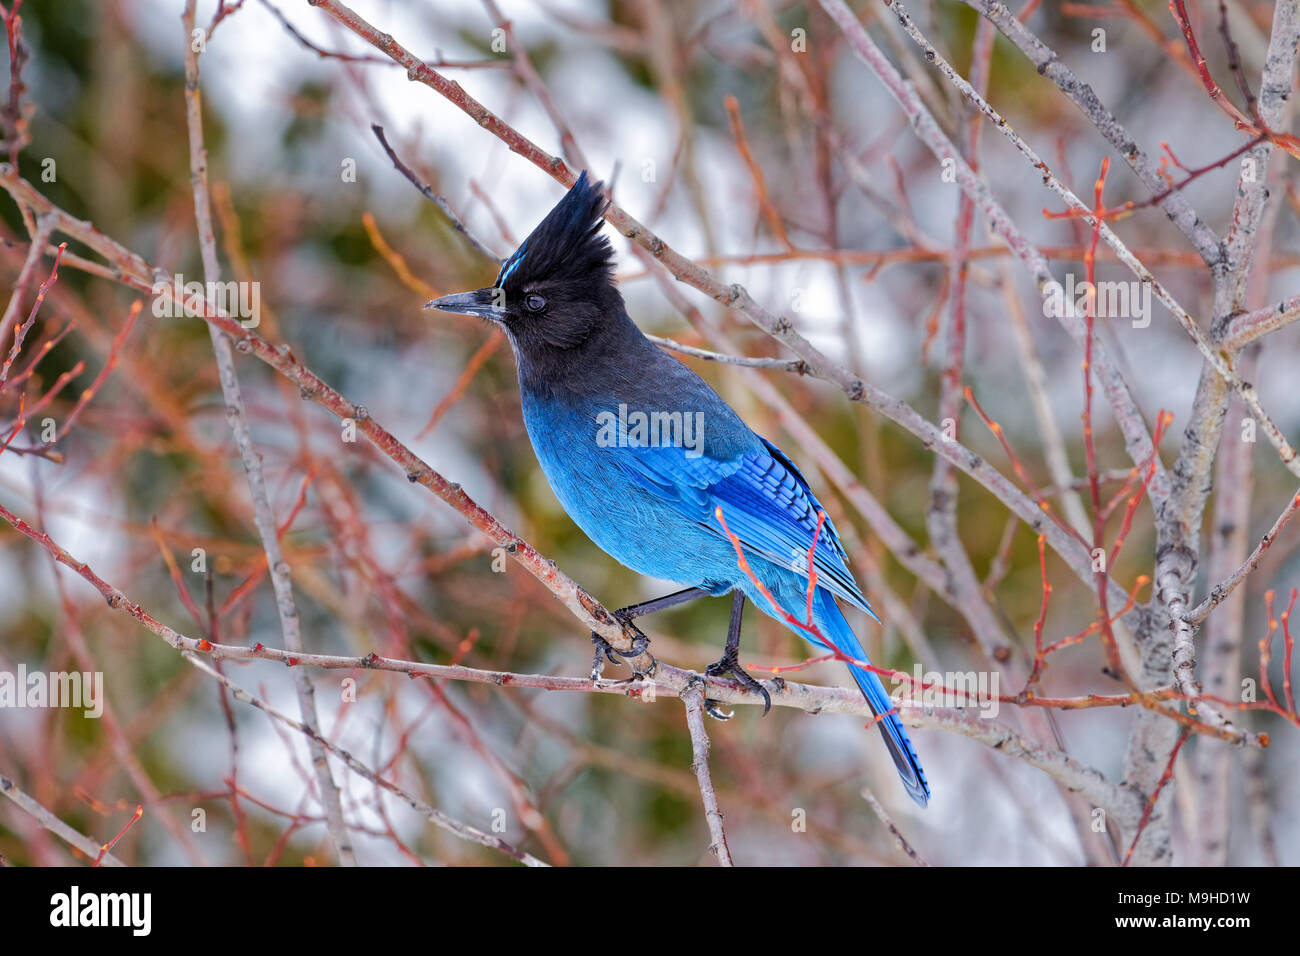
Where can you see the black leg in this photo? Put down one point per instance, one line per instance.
(730, 663)
(661, 604)
(625, 615)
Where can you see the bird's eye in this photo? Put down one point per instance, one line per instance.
(534, 302)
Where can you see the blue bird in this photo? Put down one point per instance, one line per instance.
(644, 456)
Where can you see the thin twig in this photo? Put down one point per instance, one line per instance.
(433, 197)
(797, 366)
(899, 840)
(1219, 593)
(49, 821)
(35, 252)
(693, 698)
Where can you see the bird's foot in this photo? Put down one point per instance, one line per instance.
(730, 666)
(605, 651)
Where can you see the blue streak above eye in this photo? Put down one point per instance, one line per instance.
(511, 265)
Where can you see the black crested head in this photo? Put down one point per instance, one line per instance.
(559, 284)
(556, 291)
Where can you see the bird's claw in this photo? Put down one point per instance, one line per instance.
(712, 708)
(730, 666)
(605, 651)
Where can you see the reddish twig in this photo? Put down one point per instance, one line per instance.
(1155, 795)
(107, 847)
(21, 332)
(770, 213)
(1284, 140)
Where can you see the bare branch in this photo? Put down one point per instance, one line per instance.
(693, 697)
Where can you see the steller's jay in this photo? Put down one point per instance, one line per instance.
(644, 456)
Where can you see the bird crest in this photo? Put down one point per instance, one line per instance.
(567, 244)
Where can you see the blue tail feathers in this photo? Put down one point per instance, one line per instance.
(837, 630)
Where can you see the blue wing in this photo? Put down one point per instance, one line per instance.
(765, 501)
(769, 507)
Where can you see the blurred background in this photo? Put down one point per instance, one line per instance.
(850, 236)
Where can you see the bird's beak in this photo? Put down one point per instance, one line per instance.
(481, 302)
